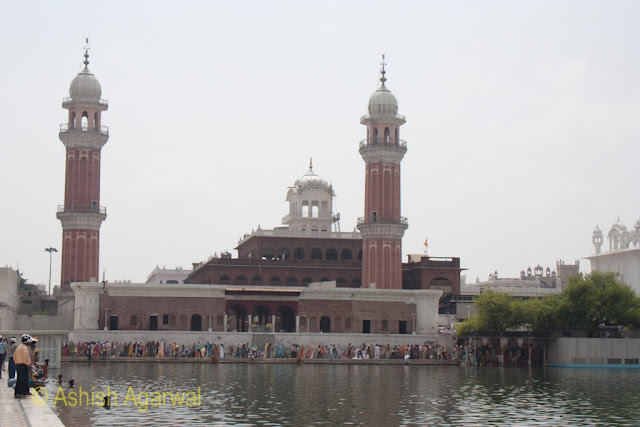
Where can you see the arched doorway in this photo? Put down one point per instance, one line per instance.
(238, 318)
(325, 324)
(196, 322)
(260, 316)
(285, 319)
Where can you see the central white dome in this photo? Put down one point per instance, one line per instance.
(312, 180)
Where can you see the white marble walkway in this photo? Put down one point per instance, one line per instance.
(30, 411)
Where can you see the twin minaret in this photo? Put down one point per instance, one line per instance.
(81, 215)
(382, 227)
(83, 135)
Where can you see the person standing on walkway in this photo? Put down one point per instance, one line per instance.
(10, 351)
(22, 359)
(3, 353)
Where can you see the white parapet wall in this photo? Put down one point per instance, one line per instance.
(49, 342)
(594, 351)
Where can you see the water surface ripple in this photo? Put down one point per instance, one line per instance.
(241, 394)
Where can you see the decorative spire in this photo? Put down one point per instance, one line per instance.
(310, 163)
(86, 53)
(382, 71)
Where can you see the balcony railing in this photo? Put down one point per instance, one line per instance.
(82, 208)
(381, 141)
(101, 101)
(84, 128)
(361, 220)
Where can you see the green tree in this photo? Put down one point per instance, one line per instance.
(22, 282)
(597, 299)
(540, 314)
(494, 311)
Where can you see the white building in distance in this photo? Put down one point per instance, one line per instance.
(623, 256)
(171, 276)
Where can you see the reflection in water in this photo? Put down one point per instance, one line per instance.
(357, 394)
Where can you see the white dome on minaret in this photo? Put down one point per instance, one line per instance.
(383, 103)
(597, 231)
(85, 87)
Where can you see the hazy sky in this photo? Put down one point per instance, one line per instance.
(522, 123)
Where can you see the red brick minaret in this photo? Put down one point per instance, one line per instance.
(382, 227)
(81, 215)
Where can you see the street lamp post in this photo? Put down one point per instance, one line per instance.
(51, 250)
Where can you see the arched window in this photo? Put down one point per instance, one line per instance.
(314, 228)
(325, 324)
(134, 320)
(325, 279)
(85, 121)
(331, 254)
(386, 135)
(237, 319)
(261, 315)
(267, 253)
(257, 280)
(306, 280)
(316, 253)
(356, 283)
(285, 319)
(284, 253)
(72, 120)
(225, 280)
(196, 322)
(324, 228)
(275, 281)
(96, 125)
(291, 281)
(298, 253)
(375, 135)
(341, 282)
(346, 255)
(241, 280)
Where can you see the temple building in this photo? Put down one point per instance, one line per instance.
(622, 255)
(305, 276)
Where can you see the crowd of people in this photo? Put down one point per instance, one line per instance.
(102, 350)
(505, 355)
(25, 369)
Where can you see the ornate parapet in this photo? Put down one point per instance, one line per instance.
(72, 220)
(383, 153)
(87, 305)
(383, 230)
